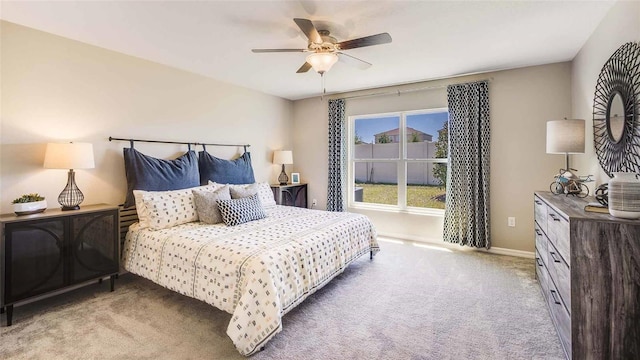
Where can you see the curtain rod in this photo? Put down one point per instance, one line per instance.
(399, 91)
(111, 138)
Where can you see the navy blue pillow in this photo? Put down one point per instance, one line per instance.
(238, 171)
(148, 173)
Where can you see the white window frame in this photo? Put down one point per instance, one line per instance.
(402, 162)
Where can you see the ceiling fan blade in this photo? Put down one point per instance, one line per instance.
(352, 60)
(304, 68)
(277, 50)
(378, 39)
(309, 30)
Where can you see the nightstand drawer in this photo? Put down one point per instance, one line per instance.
(560, 274)
(541, 243)
(558, 233)
(561, 318)
(543, 276)
(540, 212)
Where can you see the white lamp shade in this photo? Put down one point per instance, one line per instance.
(69, 156)
(283, 157)
(322, 62)
(565, 136)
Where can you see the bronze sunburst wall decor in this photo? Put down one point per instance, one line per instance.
(616, 129)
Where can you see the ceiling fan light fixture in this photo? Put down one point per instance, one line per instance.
(322, 62)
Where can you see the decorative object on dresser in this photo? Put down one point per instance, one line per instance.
(290, 195)
(624, 195)
(69, 156)
(602, 194)
(596, 207)
(29, 204)
(565, 137)
(44, 254)
(283, 157)
(588, 266)
(569, 183)
(615, 111)
(295, 178)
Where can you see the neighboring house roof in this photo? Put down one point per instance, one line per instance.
(396, 131)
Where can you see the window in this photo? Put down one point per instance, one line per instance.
(398, 160)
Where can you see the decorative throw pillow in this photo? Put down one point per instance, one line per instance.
(148, 173)
(141, 205)
(262, 189)
(239, 211)
(169, 208)
(238, 171)
(207, 203)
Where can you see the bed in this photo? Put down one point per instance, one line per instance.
(256, 270)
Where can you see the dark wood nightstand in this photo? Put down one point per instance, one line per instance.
(54, 251)
(290, 195)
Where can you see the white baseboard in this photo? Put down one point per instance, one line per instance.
(439, 242)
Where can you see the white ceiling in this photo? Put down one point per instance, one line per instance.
(431, 39)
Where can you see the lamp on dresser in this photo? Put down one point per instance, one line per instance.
(283, 157)
(565, 137)
(69, 156)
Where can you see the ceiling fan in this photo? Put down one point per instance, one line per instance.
(326, 50)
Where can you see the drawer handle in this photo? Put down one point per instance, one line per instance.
(538, 232)
(553, 256)
(555, 300)
(554, 217)
(538, 202)
(538, 262)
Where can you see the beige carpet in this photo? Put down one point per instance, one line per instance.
(408, 303)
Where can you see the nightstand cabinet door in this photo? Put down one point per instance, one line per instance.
(34, 253)
(94, 245)
(290, 195)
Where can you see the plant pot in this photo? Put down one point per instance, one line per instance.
(30, 207)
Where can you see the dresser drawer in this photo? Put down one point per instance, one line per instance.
(541, 243)
(558, 233)
(560, 274)
(543, 276)
(561, 318)
(540, 213)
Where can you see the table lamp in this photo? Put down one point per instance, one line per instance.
(283, 157)
(69, 156)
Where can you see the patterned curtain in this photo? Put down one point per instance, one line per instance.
(466, 219)
(337, 156)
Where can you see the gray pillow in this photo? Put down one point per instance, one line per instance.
(238, 192)
(207, 204)
(239, 211)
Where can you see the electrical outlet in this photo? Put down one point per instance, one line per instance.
(314, 203)
(511, 221)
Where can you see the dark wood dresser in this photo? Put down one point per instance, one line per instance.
(588, 267)
(48, 253)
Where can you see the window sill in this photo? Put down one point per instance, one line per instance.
(396, 210)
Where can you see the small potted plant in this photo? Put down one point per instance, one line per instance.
(29, 204)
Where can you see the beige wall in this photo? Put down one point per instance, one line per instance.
(521, 101)
(56, 90)
(621, 25)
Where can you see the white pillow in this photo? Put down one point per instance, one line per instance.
(150, 218)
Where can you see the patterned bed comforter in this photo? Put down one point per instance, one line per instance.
(256, 271)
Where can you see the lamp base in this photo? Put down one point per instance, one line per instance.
(283, 178)
(71, 197)
(67, 208)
